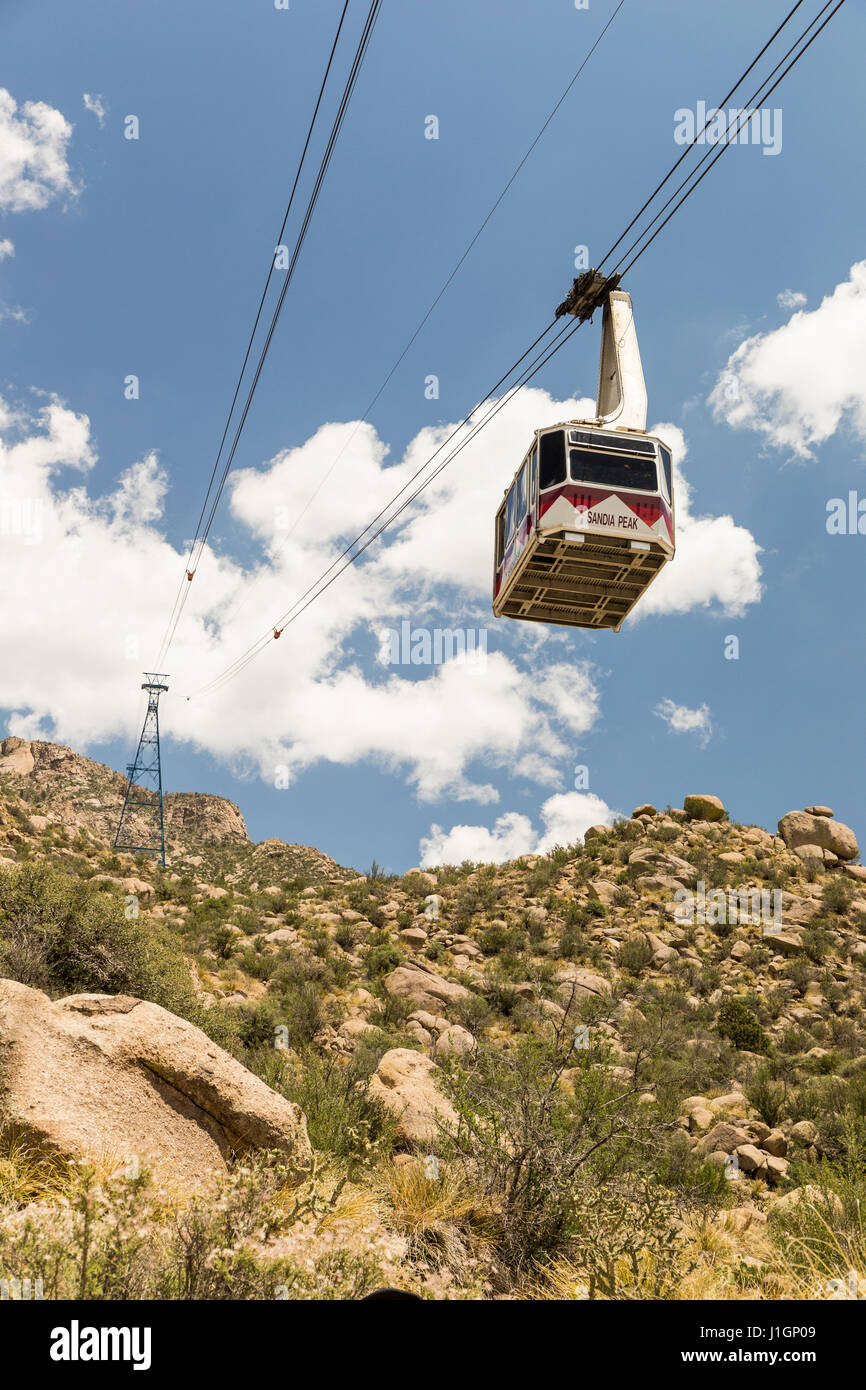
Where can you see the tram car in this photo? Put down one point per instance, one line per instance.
(588, 521)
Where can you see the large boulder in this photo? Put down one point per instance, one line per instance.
(788, 943)
(16, 755)
(800, 828)
(775, 1143)
(734, 1102)
(454, 1040)
(826, 1203)
(414, 937)
(405, 1083)
(426, 988)
(110, 1077)
(751, 1159)
(575, 982)
(704, 808)
(723, 1138)
(651, 860)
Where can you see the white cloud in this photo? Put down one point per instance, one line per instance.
(797, 384)
(33, 148)
(511, 836)
(682, 720)
(447, 536)
(432, 728)
(716, 564)
(6, 248)
(140, 494)
(566, 817)
(96, 105)
(791, 299)
(86, 588)
(29, 726)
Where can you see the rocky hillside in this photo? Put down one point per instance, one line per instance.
(633, 1067)
(74, 793)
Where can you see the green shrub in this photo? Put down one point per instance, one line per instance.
(391, 1012)
(381, 959)
(65, 937)
(537, 1148)
(223, 942)
(737, 1022)
(794, 1040)
(346, 936)
(816, 943)
(572, 943)
(635, 954)
(259, 1024)
(837, 894)
(768, 1094)
(299, 1011)
(473, 1013)
(799, 973)
(504, 998)
(342, 1119)
(497, 940)
(579, 915)
(682, 1167)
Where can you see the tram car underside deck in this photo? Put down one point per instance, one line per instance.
(580, 581)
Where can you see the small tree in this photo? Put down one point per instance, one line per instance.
(768, 1093)
(737, 1022)
(536, 1124)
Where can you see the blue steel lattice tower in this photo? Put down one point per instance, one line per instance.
(141, 818)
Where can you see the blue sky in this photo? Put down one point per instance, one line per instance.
(148, 257)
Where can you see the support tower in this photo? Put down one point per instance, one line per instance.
(141, 829)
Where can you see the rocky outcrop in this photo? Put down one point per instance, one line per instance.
(405, 1083)
(201, 819)
(426, 988)
(825, 1203)
(699, 807)
(574, 982)
(800, 829)
(82, 794)
(16, 756)
(114, 1078)
(77, 793)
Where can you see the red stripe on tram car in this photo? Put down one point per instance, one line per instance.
(648, 508)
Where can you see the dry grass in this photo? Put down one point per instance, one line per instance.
(721, 1261)
(28, 1173)
(829, 1264)
(717, 1260)
(442, 1219)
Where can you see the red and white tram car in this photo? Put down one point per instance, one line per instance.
(588, 521)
